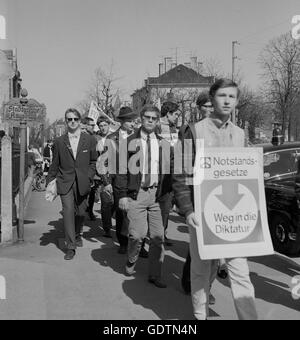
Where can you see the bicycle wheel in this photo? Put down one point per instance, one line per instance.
(40, 183)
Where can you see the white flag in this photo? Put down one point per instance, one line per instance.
(157, 103)
(93, 112)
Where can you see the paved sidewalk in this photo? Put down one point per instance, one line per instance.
(42, 285)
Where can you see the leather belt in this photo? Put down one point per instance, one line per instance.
(147, 188)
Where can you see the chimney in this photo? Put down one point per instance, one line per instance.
(168, 63)
(161, 69)
(200, 68)
(194, 64)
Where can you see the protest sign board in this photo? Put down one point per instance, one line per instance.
(230, 204)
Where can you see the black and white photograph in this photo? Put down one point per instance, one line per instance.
(149, 162)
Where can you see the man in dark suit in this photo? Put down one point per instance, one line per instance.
(127, 117)
(73, 166)
(143, 191)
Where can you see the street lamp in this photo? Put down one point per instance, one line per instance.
(23, 126)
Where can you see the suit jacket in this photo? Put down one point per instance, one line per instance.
(129, 184)
(66, 169)
(111, 144)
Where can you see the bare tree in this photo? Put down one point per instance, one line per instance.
(280, 61)
(212, 67)
(253, 111)
(102, 90)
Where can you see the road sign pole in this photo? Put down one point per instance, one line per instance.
(23, 127)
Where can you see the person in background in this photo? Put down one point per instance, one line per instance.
(31, 161)
(127, 117)
(169, 131)
(90, 125)
(204, 105)
(47, 154)
(106, 192)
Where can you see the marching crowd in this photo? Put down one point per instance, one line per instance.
(133, 170)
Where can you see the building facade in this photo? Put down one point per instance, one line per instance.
(180, 84)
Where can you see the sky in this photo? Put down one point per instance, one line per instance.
(61, 42)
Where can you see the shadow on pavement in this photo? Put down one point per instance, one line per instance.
(274, 292)
(141, 292)
(53, 235)
(269, 290)
(176, 218)
(278, 263)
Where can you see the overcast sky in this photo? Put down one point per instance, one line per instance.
(61, 42)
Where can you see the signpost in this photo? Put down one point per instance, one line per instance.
(16, 112)
(230, 204)
(23, 124)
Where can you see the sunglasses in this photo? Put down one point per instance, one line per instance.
(71, 119)
(150, 117)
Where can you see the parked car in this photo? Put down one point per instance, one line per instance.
(283, 207)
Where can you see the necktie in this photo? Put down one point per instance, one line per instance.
(148, 164)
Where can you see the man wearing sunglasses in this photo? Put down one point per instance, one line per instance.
(73, 167)
(142, 191)
(204, 105)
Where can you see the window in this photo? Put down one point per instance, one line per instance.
(280, 162)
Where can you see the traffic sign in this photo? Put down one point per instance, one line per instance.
(230, 204)
(32, 112)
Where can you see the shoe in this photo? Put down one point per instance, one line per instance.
(211, 299)
(122, 250)
(79, 242)
(129, 268)
(70, 254)
(143, 253)
(107, 234)
(168, 242)
(157, 282)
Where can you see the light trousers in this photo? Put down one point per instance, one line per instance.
(201, 275)
(145, 214)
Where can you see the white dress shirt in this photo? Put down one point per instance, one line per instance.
(74, 140)
(154, 158)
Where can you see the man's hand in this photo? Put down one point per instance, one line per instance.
(108, 189)
(124, 203)
(192, 221)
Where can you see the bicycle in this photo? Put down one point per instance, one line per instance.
(39, 179)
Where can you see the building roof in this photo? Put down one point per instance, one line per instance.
(180, 75)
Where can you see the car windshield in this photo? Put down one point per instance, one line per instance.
(281, 162)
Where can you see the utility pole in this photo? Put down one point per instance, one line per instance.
(234, 57)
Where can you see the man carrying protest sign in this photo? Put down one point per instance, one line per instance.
(215, 131)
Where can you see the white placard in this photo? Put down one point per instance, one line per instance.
(230, 204)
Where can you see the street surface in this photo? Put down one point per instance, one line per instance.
(40, 284)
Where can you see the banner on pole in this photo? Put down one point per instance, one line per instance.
(93, 112)
(230, 204)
